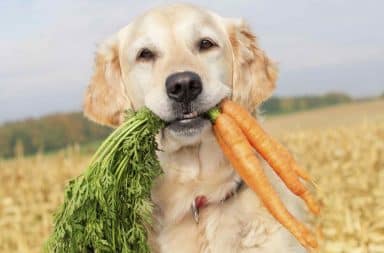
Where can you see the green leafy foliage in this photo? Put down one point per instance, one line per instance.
(108, 208)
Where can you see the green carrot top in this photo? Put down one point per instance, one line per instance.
(107, 208)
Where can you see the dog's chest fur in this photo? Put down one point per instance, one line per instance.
(239, 224)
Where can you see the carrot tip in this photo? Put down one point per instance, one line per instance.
(311, 240)
(312, 204)
(307, 239)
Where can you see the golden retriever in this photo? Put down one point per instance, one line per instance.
(179, 61)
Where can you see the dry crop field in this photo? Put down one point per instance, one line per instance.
(343, 147)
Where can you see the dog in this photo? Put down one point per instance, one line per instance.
(180, 61)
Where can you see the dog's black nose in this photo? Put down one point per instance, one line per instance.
(183, 86)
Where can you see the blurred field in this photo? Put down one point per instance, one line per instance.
(30, 190)
(334, 116)
(343, 147)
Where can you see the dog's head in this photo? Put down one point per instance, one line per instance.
(179, 61)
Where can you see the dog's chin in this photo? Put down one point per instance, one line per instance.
(188, 131)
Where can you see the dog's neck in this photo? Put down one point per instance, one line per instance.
(190, 171)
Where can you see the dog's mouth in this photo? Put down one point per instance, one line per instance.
(189, 123)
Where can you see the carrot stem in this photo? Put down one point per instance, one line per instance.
(213, 113)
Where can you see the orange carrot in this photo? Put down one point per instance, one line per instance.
(241, 155)
(272, 151)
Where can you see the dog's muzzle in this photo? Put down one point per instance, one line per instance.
(183, 88)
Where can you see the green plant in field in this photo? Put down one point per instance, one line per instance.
(108, 208)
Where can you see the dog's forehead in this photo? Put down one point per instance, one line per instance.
(175, 19)
(177, 13)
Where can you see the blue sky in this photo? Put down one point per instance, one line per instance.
(47, 47)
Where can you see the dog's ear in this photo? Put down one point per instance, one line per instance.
(254, 74)
(105, 98)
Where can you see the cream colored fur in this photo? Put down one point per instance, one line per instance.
(193, 165)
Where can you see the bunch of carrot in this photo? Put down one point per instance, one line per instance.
(239, 135)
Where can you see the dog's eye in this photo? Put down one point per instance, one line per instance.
(146, 55)
(206, 44)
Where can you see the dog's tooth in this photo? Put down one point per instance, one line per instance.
(190, 115)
